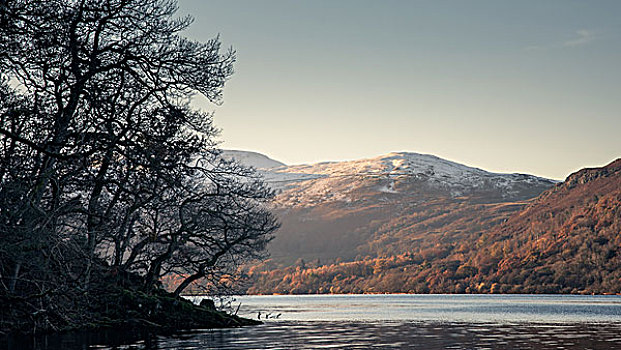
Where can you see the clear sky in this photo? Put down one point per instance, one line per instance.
(507, 86)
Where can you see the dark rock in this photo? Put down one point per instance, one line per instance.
(208, 304)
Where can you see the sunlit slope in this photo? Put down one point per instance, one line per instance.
(355, 209)
(406, 222)
(567, 240)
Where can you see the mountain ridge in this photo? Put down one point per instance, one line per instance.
(250, 158)
(412, 223)
(392, 169)
(566, 240)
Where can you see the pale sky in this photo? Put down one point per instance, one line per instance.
(507, 86)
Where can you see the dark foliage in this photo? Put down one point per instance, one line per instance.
(109, 178)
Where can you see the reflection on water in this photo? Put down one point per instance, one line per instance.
(361, 335)
(387, 322)
(387, 335)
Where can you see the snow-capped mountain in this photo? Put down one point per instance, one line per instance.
(566, 240)
(394, 174)
(419, 223)
(389, 205)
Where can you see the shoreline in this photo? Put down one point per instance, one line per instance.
(390, 293)
(136, 311)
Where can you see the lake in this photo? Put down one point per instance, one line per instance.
(388, 322)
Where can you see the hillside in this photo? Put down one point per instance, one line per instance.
(400, 208)
(566, 240)
(371, 207)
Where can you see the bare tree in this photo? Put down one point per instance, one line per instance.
(105, 168)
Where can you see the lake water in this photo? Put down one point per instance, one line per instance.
(389, 322)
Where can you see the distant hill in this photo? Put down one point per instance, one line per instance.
(253, 159)
(420, 229)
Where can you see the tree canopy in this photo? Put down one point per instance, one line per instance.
(108, 175)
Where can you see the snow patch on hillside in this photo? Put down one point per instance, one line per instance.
(330, 181)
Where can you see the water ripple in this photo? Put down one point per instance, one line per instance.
(386, 322)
